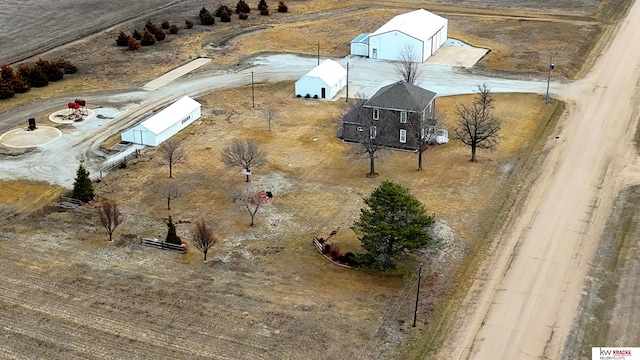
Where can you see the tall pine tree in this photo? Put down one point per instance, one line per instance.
(82, 187)
(394, 224)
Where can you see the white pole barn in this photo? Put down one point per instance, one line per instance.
(420, 31)
(165, 123)
(323, 82)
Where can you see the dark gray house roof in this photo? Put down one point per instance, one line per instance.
(401, 96)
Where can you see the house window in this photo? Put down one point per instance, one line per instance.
(403, 136)
(403, 117)
(372, 132)
(376, 114)
(360, 128)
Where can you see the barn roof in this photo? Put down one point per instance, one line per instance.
(168, 116)
(328, 71)
(401, 96)
(420, 24)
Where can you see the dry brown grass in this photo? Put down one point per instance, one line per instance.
(19, 196)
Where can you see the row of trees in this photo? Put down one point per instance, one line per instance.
(38, 74)
(242, 9)
(149, 35)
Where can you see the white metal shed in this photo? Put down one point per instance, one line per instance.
(165, 123)
(323, 82)
(420, 32)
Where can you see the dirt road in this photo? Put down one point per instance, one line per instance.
(525, 303)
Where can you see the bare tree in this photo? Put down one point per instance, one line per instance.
(246, 154)
(408, 66)
(171, 191)
(252, 201)
(425, 132)
(269, 116)
(109, 215)
(477, 127)
(172, 153)
(371, 138)
(203, 237)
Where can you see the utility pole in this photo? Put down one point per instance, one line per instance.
(415, 312)
(253, 96)
(551, 66)
(318, 52)
(347, 100)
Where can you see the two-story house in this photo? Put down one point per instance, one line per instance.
(399, 115)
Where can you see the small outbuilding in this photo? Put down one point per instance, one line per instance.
(360, 45)
(412, 36)
(165, 123)
(323, 82)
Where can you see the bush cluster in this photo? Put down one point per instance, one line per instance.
(32, 75)
(224, 13)
(150, 34)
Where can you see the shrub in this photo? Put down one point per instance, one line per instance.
(307, 96)
(136, 35)
(243, 16)
(315, 96)
(17, 82)
(264, 12)
(263, 5)
(133, 44)
(242, 7)
(37, 77)
(122, 39)
(159, 34)
(50, 69)
(188, 24)
(66, 66)
(282, 7)
(173, 29)
(298, 96)
(150, 26)
(206, 18)
(224, 13)
(165, 25)
(147, 39)
(6, 90)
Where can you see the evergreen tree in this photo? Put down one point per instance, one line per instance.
(133, 44)
(282, 7)
(242, 7)
(188, 24)
(172, 236)
(66, 66)
(16, 80)
(173, 29)
(159, 34)
(122, 39)
(262, 5)
(51, 69)
(37, 77)
(147, 38)
(394, 224)
(6, 90)
(136, 35)
(150, 26)
(82, 187)
(206, 18)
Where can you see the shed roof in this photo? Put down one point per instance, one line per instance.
(168, 116)
(362, 38)
(328, 71)
(420, 24)
(402, 96)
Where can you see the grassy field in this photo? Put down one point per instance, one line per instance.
(266, 290)
(277, 279)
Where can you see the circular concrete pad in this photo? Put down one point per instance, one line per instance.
(23, 138)
(65, 116)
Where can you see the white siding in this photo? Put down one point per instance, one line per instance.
(390, 46)
(359, 49)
